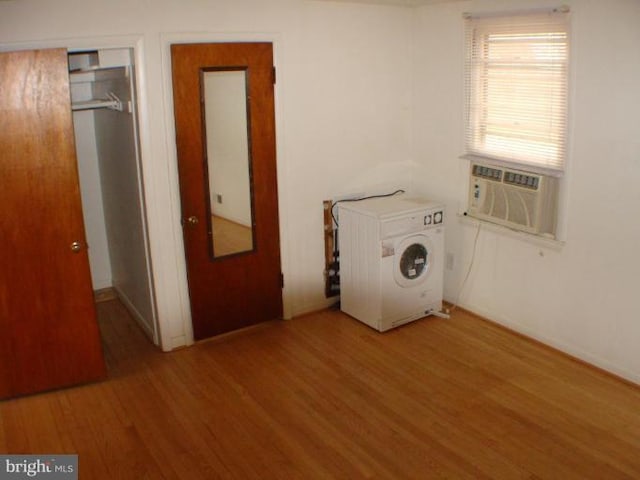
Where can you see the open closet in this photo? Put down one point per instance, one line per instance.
(103, 102)
(72, 215)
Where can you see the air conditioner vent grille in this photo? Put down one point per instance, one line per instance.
(522, 180)
(513, 206)
(487, 172)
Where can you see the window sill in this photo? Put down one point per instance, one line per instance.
(538, 240)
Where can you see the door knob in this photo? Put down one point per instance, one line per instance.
(76, 247)
(193, 220)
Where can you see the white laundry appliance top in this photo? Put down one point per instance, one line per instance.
(384, 207)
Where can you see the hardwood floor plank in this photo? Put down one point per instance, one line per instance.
(323, 396)
(230, 396)
(405, 399)
(297, 409)
(37, 411)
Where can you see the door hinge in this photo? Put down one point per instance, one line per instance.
(274, 75)
(281, 280)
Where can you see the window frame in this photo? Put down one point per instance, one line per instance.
(543, 25)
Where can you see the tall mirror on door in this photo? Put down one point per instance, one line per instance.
(228, 160)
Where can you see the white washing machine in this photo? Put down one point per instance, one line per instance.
(391, 259)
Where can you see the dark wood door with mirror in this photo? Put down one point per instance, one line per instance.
(48, 330)
(225, 136)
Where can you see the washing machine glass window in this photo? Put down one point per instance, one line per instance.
(413, 260)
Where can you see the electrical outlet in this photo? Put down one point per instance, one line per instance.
(450, 261)
(218, 198)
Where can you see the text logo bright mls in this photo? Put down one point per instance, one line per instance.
(50, 467)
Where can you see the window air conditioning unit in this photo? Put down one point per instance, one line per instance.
(517, 199)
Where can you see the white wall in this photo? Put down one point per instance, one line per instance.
(93, 211)
(343, 112)
(348, 121)
(580, 297)
(89, 173)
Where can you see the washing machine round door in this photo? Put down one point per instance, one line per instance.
(413, 259)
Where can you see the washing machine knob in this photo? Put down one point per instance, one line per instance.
(427, 219)
(437, 217)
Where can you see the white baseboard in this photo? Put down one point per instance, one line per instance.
(148, 329)
(571, 350)
(298, 310)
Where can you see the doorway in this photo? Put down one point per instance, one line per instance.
(225, 136)
(104, 105)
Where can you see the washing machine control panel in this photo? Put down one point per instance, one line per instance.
(411, 223)
(434, 218)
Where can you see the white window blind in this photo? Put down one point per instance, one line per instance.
(516, 89)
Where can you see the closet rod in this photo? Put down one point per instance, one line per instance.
(112, 102)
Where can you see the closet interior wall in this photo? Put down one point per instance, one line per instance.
(111, 179)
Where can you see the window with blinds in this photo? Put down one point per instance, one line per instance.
(516, 77)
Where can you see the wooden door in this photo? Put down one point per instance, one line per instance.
(227, 291)
(49, 335)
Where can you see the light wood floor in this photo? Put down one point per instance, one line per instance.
(323, 396)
